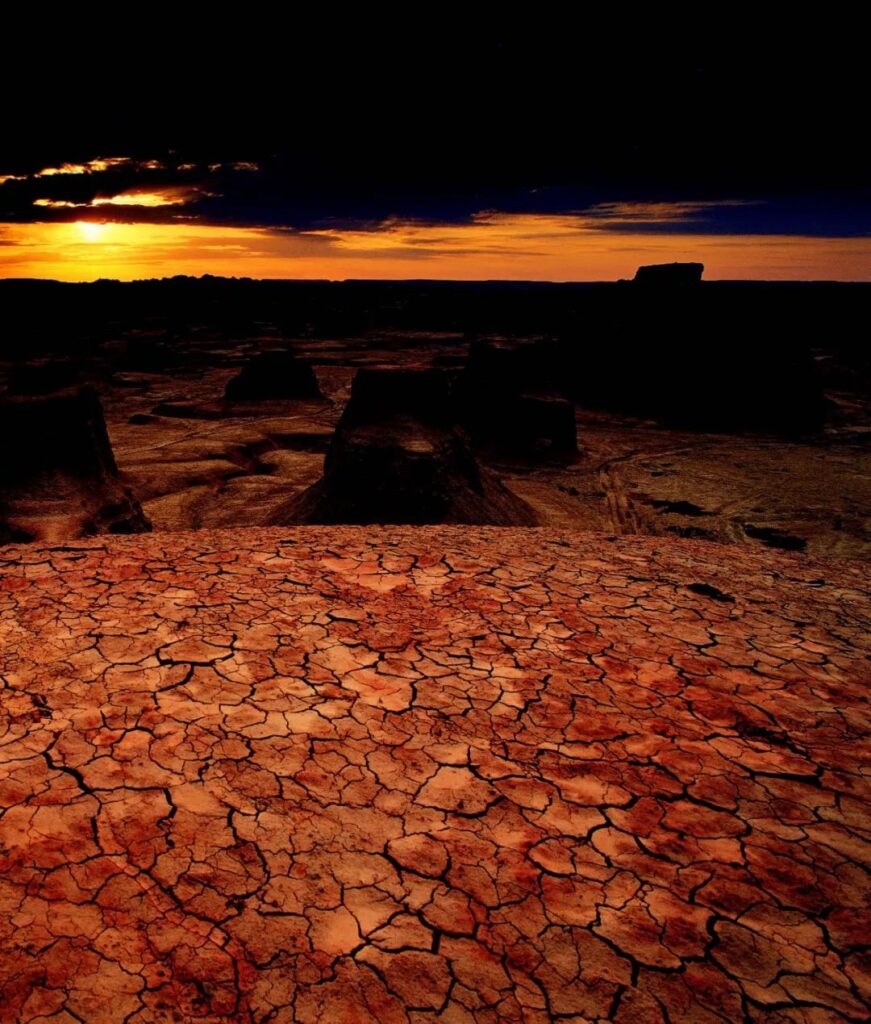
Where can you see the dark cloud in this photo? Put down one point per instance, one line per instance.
(288, 193)
(438, 122)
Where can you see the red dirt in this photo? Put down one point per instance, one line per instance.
(443, 774)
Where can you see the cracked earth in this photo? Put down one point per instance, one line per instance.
(445, 774)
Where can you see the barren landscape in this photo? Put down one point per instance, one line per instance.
(444, 773)
(435, 516)
(161, 357)
(476, 653)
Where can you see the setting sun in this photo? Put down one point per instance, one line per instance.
(91, 232)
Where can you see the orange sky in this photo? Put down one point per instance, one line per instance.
(519, 247)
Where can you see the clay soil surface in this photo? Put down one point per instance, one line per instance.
(445, 774)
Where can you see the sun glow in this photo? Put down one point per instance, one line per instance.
(90, 231)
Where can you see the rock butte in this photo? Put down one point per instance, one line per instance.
(58, 475)
(274, 375)
(398, 455)
(664, 274)
(446, 774)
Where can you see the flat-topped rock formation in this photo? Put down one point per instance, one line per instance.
(511, 399)
(274, 376)
(399, 456)
(381, 394)
(669, 274)
(267, 379)
(392, 776)
(58, 477)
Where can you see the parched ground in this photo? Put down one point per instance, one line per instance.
(444, 774)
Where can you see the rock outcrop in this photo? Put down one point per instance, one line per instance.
(669, 274)
(58, 477)
(511, 399)
(274, 376)
(399, 456)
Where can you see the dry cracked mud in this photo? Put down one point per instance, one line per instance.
(447, 774)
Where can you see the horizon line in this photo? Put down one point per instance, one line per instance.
(422, 280)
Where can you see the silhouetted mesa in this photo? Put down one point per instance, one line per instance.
(398, 456)
(274, 375)
(511, 400)
(58, 477)
(670, 273)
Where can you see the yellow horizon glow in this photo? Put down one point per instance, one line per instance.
(493, 246)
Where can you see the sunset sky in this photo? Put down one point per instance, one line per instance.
(510, 154)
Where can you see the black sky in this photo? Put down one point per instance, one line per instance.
(430, 116)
